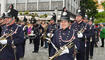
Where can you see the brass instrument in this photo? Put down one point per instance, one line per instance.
(68, 45)
(6, 36)
(49, 37)
(44, 34)
(82, 30)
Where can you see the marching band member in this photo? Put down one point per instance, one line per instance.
(10, 47)
(92, 38)
(50, 30)
(61, 39)
(82, 31)
(35, 35)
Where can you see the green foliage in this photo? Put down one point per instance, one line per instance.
(100, 17)
(90, 7)
(20, 13)
(34, 15)
(103, 4)
(99, 20)
(43, 16)
(26, 12)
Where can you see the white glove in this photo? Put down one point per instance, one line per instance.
(42, 34)
(50, 35)
(80, 35)
(3, 41)
(32, 32)
(65, 50)
(91, 39)
(48, 38)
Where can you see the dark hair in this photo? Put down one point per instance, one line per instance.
(11, 6)
(64, 8)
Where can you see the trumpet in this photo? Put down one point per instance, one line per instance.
(5, 36)
(82, 30)
(69, 45)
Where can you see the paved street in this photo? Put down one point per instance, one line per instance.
(99, 53)
(42, 55)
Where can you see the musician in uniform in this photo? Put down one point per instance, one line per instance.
(50, 30)
(43, 37)
(64, 36)
(91, 38)
(25, 30)
(11, 40)
(0, 25)
(82, 31)
(35, 35)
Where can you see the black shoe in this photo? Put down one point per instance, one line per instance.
(34, 51)
(102, 46)
(96, 45)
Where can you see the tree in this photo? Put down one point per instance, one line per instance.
(89, 8)
(103, 4)
(100, 16)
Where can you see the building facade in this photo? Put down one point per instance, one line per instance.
(44, 5)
